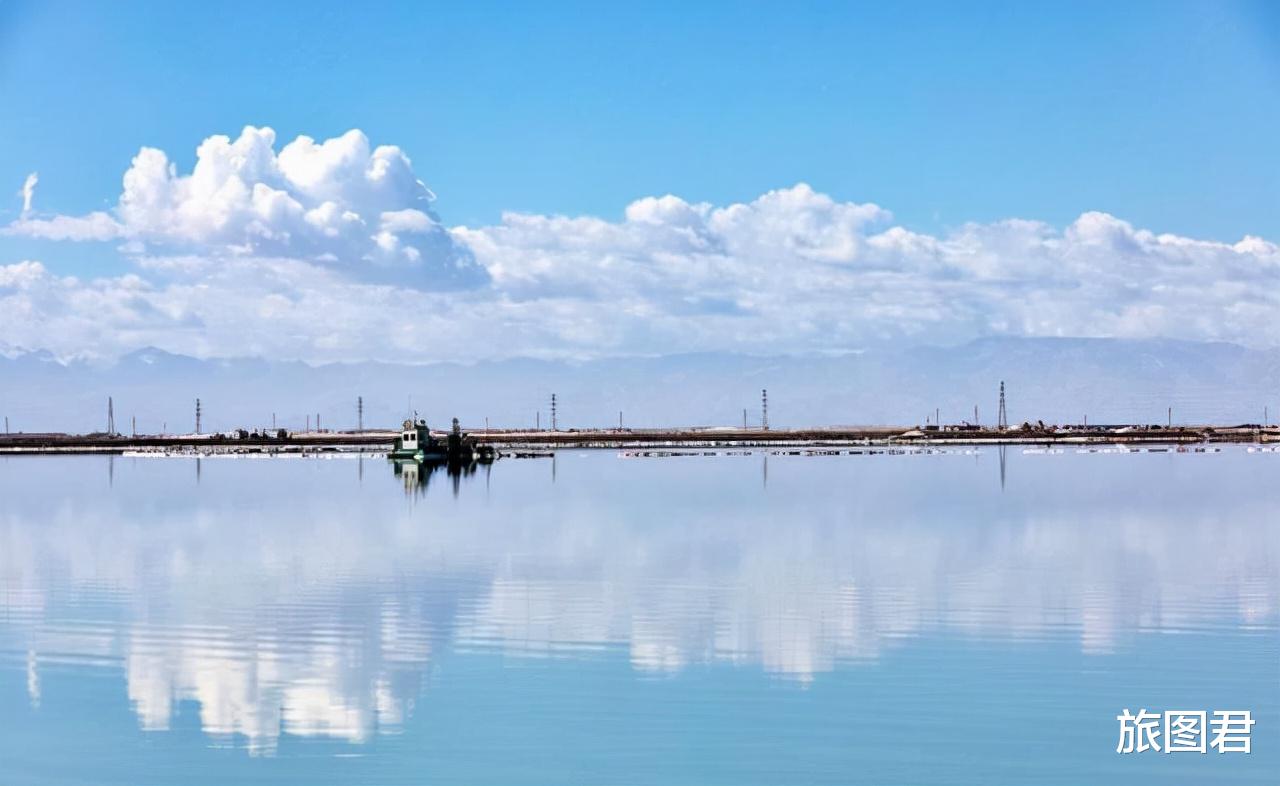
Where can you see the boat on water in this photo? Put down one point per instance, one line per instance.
(415, 443)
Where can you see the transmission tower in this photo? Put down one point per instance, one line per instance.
(1002, 420)
(553, 411)
(111, 416)
(360, 413)
(764, 410)
(197, 416)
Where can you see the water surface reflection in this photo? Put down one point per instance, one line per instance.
(308, 597)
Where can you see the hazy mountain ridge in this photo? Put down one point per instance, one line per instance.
(1058, 380)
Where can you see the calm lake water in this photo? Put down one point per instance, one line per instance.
(733, 619)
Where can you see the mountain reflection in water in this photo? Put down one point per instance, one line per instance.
(309, 597)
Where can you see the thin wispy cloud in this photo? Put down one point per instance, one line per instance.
(29, 191)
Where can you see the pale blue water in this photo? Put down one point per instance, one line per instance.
(891, 619)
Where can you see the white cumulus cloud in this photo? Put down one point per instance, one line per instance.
(331, 250)
(327, 202)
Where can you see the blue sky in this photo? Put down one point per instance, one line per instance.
(1163, 115)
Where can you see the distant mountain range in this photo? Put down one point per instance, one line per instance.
(1055, 379)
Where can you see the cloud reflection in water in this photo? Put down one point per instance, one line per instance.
(291, 596)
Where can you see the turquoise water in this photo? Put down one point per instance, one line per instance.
(731, 619)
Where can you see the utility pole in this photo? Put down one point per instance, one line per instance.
(553, 411)
(111, 417)
(744, 418)
(317, 421)
(764, 410)
(937, 417)
(619, 420)
(537, 421)
(1002, 421)
(134, 424)
(197, 416)
(360, 413)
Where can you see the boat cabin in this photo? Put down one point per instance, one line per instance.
(409, 438)
(415, 441)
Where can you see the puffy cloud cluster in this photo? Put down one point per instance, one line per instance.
(327, 250)
(796, 270)
(339, 203)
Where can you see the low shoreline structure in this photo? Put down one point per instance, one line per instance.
(238, 443)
